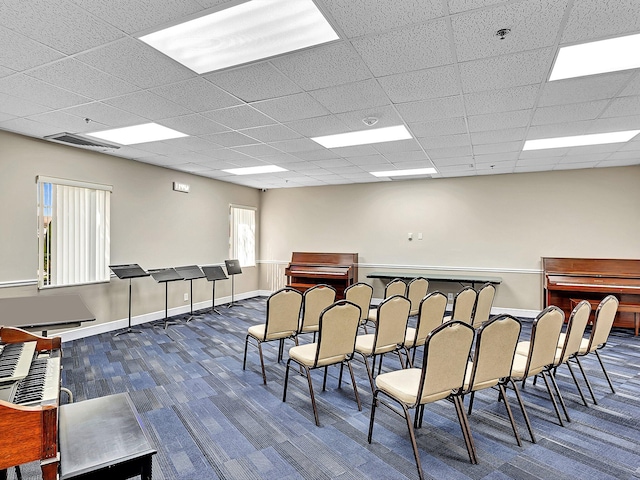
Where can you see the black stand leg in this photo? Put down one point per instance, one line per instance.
(129, 329)
(232, 304)
(191, 315)
(213, 298)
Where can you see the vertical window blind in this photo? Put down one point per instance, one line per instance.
(74, 232)
(243, 235)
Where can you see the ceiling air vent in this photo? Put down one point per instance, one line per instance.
(78, 141)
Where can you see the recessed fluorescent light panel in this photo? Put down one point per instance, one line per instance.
(255, 170)
(591, 58)
(244, 33)
(405, 173)
(147, 132)
(364, 137)
(580, 140)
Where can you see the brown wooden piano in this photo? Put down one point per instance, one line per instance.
(29, 415)
(336, 269)
(567, 281)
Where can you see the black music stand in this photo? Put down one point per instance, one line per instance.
(233, 269)
(191, 273)
(166, 275)
(129, 271)
(213, 273)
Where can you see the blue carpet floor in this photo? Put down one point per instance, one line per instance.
(209, 419)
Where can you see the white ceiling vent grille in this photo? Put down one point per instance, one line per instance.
(78, 141)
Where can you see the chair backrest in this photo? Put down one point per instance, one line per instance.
(391, 326)
(337, 335)
(445, 360)
(545, 333)
(395, 287)
(314, 301)
(605, 315)
(484, 302)
(575, 330)
(361, 294)
(463, 304)
(283, 313)
(416, 291)
(430, 315)
(496, 343)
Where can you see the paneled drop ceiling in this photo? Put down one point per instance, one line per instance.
(469, 98)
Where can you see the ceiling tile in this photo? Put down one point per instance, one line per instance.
(444, 141)
(594, 19)
(19, 106)
(192, 125)
(5, 72)
(66, 122)
(254, 82)
(259, 150)
(148, 105)
(447, 126)
(78, 77)
(197, 94)
(361, 17)
(498, 136)
(230, 139)
(619, 162)
(195, 144)
(558, 130)
(386, 114)
(26, 126)
(413, 48)
(499, 121)
(402, 157)
(568, 113)
(614, 124)
(496, 157)
(314, 155)
(633, 87)
(623, 106)
(355, 151)
(369, 160)
(534, 24)
(409, 145)
(20, 53)
(241, 116)
(583, 89)
(516, 98)
(36, 91)
(350, 97)
(106, 114)
(137, 63)
(325, 66)
(270, 133)
(421, 85)
(449, 152)
(291, 107)
(490, 148)
(58, 24)
(318, 126)
(434, 109)
(513, 70)
(297, 145)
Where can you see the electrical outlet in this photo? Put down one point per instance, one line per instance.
(186, 297)
(450, 297)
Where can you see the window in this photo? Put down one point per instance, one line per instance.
(73, 232)
(242, 237)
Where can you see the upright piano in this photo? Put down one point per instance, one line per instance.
(336, 269)
(567, 281)
(29, 400)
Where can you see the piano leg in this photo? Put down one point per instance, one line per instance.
(3, 475)
(50, 470)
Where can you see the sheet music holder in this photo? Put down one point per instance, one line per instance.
(213, 273)
(191, 273)
(124, 272)
(166, 275)
(233, 269)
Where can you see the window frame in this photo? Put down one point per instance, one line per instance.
(233, 246)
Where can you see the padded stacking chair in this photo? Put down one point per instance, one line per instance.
(446, 354)
(540, 354)
(416, 291)
(394, 287)
(338, 327)
(492, 360)
(283, 316)
(484, 302)
(430, 316)
(361, 294)
(392, 318)
(314, 301)
(463, 305)
(605, 314)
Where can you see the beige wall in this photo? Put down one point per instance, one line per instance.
(499, 225)
(150, 224)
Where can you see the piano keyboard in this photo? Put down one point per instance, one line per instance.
(41, 385)
(15, 360)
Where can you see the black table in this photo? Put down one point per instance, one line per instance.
(43, 312)
(446, 277)
(103, 438)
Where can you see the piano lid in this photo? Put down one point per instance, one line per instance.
(592, 283)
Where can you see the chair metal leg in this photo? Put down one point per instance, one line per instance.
(524, 412)
(280, 349)
(503, 392)
(286, 381)
(324, 380)
(586, 380)
(553, 398)
(560, 397)
(575, 380)
(374, 403)
(366, 364)
(471, 397)
(604, 370)
(340, 376)
(264, 375)
(466, 430)
(244, 362)
(379, 364)
(313, 397)
(412, 436)
(353, 381)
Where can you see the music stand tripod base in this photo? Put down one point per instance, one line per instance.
(233, 269)
(128, 271)
(190, 273)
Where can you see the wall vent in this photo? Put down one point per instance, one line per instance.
(78, 141)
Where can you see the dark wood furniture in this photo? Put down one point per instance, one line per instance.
(567, 281)
(436, 277)
(30, 433)
(336, 269)
(102, 438)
